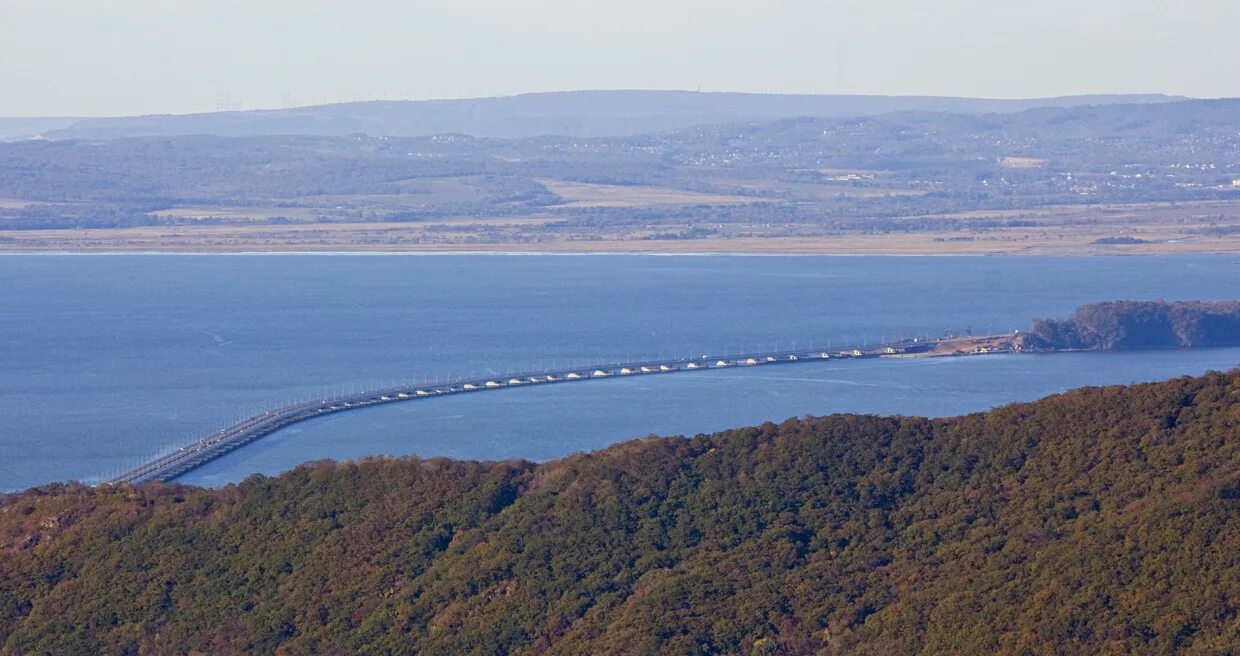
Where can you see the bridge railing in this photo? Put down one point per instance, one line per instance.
(257, 426)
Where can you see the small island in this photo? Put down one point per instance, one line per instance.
(1110, 326)
(1132, 325)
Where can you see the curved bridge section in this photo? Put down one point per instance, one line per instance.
(213, 446)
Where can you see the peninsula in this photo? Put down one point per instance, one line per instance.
(1098, 521)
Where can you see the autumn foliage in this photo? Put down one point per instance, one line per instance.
(1099, 521)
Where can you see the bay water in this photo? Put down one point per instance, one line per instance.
(106, 360)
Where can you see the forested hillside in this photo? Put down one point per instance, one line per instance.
(1098, 521)
(1122, 325)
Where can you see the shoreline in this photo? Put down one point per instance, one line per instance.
(841, 247)
(1145, 229)
(564, 253)
(509, 251)
(617, 253)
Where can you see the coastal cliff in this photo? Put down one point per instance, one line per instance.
(1131, 325)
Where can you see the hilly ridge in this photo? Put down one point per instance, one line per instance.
(1103, 520)
(572, 113)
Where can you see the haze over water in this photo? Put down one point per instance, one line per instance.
(108, 359)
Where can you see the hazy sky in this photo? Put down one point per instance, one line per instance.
(109, 57)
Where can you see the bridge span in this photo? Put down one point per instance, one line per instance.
(196, 454)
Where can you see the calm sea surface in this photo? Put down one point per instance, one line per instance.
(106, 360)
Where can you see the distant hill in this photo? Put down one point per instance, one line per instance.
(575, 113)
(1101, 521)
(787, 177)
(13, 129)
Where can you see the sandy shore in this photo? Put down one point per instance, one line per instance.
(383, 238)
(1148, 229)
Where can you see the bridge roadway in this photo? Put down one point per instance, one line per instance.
(196, 454)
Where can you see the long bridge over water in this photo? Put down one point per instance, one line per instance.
(217, 444)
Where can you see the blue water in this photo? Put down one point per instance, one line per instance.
(105, 360)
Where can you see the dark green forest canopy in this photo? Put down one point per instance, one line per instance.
(1122, 325)
(1104, 520)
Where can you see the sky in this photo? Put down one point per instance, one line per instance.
(121, 57)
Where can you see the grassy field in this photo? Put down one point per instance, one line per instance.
(578, 194)
(803, 191)
(466, 236)
(1207, 227)
(237, 213)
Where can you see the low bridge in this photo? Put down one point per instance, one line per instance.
(196, 454)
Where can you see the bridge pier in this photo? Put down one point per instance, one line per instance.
(243, 431)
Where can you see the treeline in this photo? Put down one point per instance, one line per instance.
(1122, 325)
(1099, 521)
